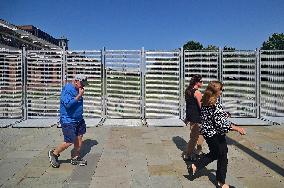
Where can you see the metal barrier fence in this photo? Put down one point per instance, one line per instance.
(42, 83)
(239, 78)
(11, 69)
(272, 83)
(162, 84)
(139, 83)
(123, 83)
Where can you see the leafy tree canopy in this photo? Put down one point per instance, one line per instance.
(229, 48)
(211, 47)
(274, 42)
(193, 45)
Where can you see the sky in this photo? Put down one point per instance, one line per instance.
(152, 24)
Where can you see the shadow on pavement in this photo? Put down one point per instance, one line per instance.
(180, 142)
(87, 146)
(181, 145)
(64, 161)
(85, 149)
(279, 170)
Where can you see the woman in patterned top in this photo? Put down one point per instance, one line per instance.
(193, 105)
(214, 126)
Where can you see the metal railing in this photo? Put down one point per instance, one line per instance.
(140, 83)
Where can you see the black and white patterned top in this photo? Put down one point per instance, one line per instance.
(214, 121)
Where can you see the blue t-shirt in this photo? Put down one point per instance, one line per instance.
(71, 110)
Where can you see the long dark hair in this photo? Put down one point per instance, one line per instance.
(194, 79)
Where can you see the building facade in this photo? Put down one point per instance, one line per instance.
(14, 37)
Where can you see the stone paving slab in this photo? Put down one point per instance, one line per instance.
(277, 120)
(23, 154)
(92, 122)
(112, 181)
(36, 123)
(165, 181)
(82, 175)
(249, 121)
(125, 157)
(10, 167)
(167, 122)
(122, 122)
(8, 122)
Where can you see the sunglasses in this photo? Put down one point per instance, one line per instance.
(82, 83)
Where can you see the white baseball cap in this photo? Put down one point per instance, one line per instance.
(82, 78)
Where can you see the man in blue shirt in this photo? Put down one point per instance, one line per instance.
(71, 120)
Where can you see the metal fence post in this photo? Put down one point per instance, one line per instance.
(220, 68)
(220, 65)
(181, 84)
(103, 83)
(258, 82)
(142, 84)
(63, 67)
(24, 84)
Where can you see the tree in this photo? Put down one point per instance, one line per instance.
(192, 45)
(229, 48)
(211, 47)
(274, 42)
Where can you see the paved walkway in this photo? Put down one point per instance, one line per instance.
(137, 157)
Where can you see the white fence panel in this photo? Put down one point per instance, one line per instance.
(11, 84)
(239, 78)
(44, 82)
(272, 83)
(162, 84)
(123, 83)
(205, 63)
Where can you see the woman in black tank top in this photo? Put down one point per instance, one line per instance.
(193, 105)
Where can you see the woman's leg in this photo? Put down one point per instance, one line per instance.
(194, 135)
(200, 142)
(213, 145)
(222, 162)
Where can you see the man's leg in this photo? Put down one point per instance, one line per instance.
(75, 156)
(54, 154)
(68, 131)
(61, 147)
(77, 146)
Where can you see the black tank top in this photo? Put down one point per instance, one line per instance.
(192, 108)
